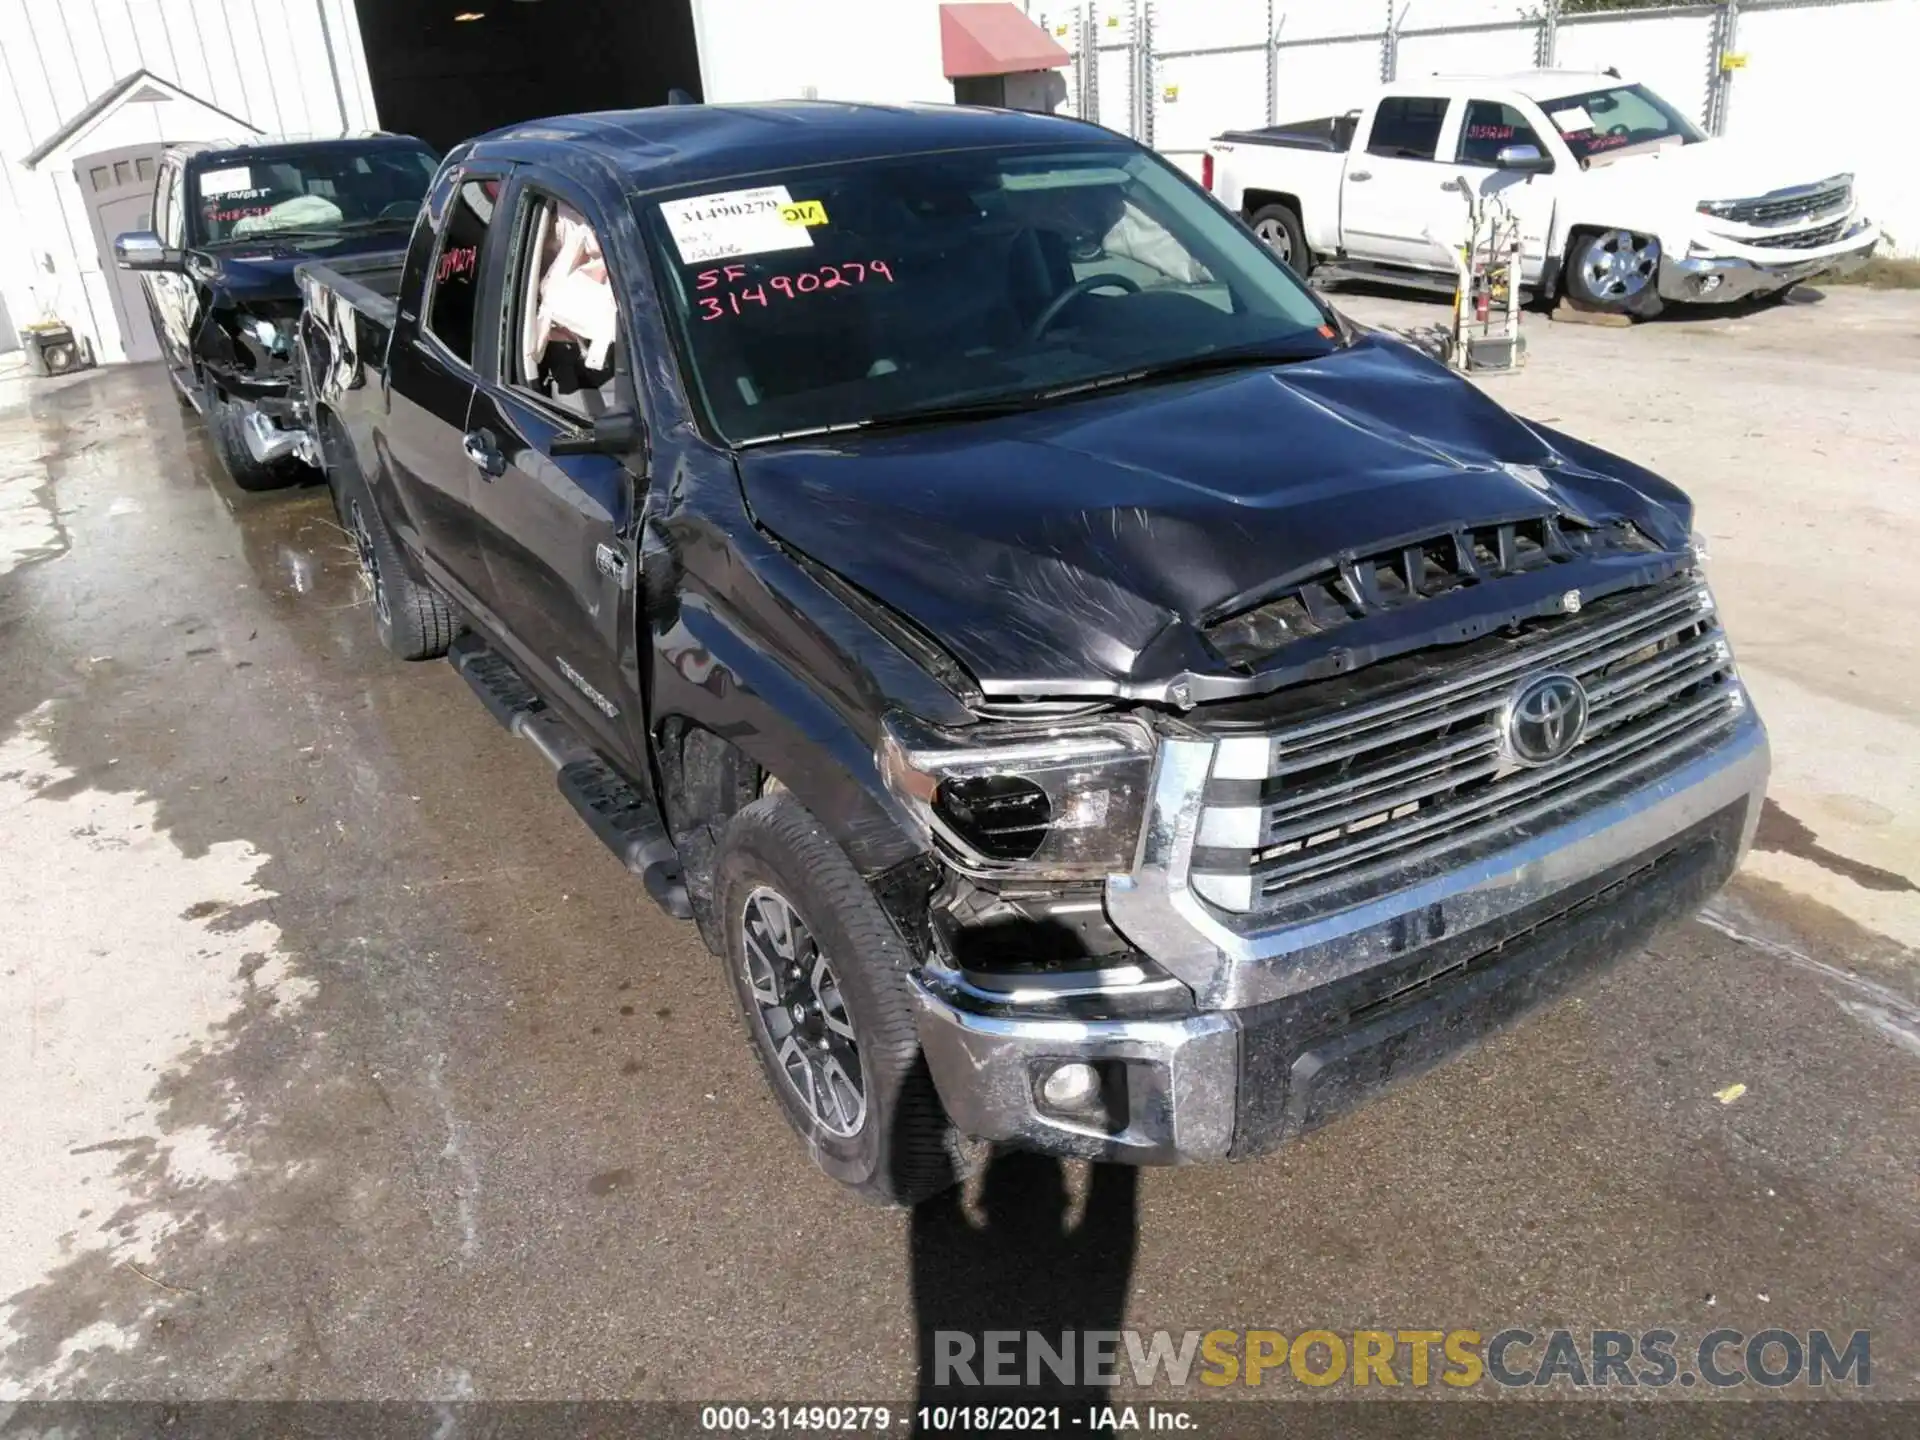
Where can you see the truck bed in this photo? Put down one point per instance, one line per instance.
(369, 283)
(1328, 132)
(346, 316)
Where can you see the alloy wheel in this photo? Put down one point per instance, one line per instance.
(1619, 265)
(369, 560)
(803, 1012)
(1277, 239)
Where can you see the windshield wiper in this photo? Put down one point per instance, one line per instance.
(1024, 401)
(1208, 363)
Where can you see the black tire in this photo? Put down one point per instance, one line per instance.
(903, 1149)
(412, 621)
(224, 419)
(1614, 270)
(1280, 228)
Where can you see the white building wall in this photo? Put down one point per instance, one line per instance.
(272, 63)
(884, 51)
(1829, 86)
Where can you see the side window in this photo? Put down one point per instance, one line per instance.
(1489, 128)
(563, 325)
(1407, 127)
(456, 267)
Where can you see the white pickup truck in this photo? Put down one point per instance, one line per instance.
(1622, 202)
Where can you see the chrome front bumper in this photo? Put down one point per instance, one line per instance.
(267, 442)
(1188, 1075)
(1720, 280)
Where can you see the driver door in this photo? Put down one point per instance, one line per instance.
(558, 531)
(1487, 128)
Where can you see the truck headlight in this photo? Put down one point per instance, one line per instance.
(1059, 802)
(270, 337)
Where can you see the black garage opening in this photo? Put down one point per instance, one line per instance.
(446, 70)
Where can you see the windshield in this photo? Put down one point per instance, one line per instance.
(1601, 121)
(877, 290)
(325, 189)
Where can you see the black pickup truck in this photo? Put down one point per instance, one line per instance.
(1089, 695)
(230, 224)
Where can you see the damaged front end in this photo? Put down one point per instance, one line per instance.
(1164, 934)
(247, 355)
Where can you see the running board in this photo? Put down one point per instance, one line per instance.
(626, 821)
(1333, 272)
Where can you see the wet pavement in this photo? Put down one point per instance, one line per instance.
(341, 1061)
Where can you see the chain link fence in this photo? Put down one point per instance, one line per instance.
(1175, 73)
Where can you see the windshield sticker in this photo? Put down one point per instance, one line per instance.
(1571, 121)
(225, 182)
(734, 222)
(725, 295)
(804, 212)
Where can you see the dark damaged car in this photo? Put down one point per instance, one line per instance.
(229, 224)
(1090, 696)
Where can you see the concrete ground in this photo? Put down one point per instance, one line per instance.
(340, 1061)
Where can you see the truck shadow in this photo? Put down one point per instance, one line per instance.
(1026, 1267)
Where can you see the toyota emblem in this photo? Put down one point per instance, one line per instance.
(1545, 719)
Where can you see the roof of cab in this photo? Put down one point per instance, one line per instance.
(1534, 84)
(672, 145)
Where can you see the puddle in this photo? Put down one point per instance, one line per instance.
(101, 1005)
(1780, 832)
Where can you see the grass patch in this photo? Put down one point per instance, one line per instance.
(1883, 272)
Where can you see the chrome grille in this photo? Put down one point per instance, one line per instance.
(1811, 239)
(1355, 795)
(1786, 209)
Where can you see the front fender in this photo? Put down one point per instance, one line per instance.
(709, 674)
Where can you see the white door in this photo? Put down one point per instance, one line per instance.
(1392, 207)
(118, 186)
(1488, 128)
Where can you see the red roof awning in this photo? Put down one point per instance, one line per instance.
(994, 40)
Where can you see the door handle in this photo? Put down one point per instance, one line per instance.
(484, 451)
(1457, 187)
(1359, 175)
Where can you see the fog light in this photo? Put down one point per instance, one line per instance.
(1070, 1087)
(1709, 284)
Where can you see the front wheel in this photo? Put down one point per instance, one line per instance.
(1615, 270)
(225, 419)
(1280, 228)
(821, 976)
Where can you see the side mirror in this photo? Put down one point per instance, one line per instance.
(143, 250)
(617, 432)
(1522, 157)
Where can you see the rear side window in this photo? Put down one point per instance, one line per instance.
(456, 267)
(1489, 128)
(1407, 127)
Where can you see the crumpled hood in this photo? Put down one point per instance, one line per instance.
(1712, 169)
(261, 268)
(1081, 546)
